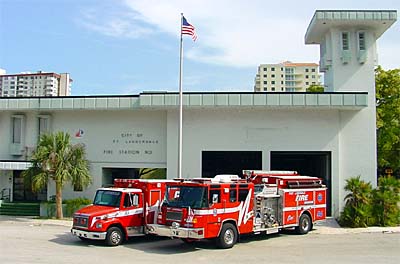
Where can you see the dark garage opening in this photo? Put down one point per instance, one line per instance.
(110, 174)
(310, 163)
(229, 162)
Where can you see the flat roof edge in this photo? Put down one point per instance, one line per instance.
(192, 100)
(322, 17)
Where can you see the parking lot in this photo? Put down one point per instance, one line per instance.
(30, 241)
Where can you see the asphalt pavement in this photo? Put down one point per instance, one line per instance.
(46, 241)
(329, 226)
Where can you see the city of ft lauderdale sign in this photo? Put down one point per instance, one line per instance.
(132, 143)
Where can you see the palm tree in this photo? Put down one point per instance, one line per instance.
(386, 198)
(55, 158)
(357, 203)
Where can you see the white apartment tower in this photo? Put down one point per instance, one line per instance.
(35, 84)
(286, 77)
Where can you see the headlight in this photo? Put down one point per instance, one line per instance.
(99, 225)
(175, 225)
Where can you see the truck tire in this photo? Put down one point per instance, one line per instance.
(114, 236)
(305, 224)
(228, 236)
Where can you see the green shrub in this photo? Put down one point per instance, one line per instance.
(357, 210)
(386, 198)
(74, 204)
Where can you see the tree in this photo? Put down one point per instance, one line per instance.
(385, 202)
(314, 88)
(56, 159)
(152, 173)
(387, 85)
(357, 208)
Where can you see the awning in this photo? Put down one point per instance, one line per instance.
(14, 165)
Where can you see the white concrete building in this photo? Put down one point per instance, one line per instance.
(286, 77)
(330, 135)
(35, 84)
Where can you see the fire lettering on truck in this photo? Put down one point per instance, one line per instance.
(244, 214)
(301, 197)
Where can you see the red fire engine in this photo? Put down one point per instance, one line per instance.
(119, 212)
(227, 206)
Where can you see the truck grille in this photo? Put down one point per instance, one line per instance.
(81, 221)
(174, 216)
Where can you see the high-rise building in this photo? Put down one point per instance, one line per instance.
(286, 77)
(35, 84)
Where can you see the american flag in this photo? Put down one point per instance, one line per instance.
(188, 29)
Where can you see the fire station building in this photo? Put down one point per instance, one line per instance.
(331, 135)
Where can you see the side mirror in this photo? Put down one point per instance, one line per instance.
(134, 199)
(215, 198)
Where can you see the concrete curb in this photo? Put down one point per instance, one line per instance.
(35, 221)
(330, 226)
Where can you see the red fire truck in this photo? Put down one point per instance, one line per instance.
(119, 212)
(227, 206)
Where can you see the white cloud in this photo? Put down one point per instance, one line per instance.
(230, 32)
(234, 33)
(2, 71)
(121, 24)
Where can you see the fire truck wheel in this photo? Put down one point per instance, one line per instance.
(228, 236)
(114, 236)
(304, 224)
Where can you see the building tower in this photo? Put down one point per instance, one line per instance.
(348, 57)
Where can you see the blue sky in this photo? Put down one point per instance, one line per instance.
(130, 46)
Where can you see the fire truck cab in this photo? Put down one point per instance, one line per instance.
(119, 212)
(226, 206)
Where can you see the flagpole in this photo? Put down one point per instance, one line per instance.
(180, 105)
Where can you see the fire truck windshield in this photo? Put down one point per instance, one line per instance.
(186, 196)
(107, 198)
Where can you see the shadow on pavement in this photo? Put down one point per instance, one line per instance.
(150, 244)
(162, 245)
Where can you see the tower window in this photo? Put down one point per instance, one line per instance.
(361, 40)
(345, 40)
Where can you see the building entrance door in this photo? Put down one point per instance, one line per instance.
(22, 191)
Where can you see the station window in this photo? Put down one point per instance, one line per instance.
(17, 129)
(43, 124)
